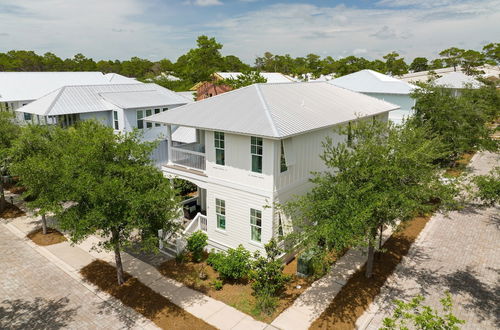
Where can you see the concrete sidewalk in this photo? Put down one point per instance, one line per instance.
(71, 258)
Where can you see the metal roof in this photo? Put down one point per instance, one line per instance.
(369, 81)
(28, 86)
(94, 98)
(275, 110)
(115, 78)
(457, 80)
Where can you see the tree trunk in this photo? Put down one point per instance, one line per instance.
(3, 202)
(371, 254)
(118, 258)
(381, 237)
(44, 224)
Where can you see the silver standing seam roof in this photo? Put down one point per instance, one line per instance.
(369, 81)
(275, 110)
(94, 98)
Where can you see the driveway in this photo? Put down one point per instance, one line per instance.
(458, 252)
(35, 294)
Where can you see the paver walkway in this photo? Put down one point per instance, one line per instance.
(459, 253)
(36, 294)
(206, 308)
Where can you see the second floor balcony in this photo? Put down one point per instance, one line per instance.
(190, 155)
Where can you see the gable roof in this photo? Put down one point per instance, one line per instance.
(457, 80)
(94, 98)
(275, 110)
(28, 86)
(369, 81)
(115, 78)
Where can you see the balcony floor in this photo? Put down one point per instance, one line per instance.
(185, 169)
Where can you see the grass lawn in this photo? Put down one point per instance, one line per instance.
(236, 294)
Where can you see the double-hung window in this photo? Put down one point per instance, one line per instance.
(256, 225)
(220, 211)
(219, 148)
(256, 151)
(27, 116)
(140, 122)
(157, 124)
(115, 120)
(149, 112)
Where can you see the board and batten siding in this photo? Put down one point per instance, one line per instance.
(238, 204)
(238, 162)
(104, 117)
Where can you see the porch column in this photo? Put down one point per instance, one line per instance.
(169, 144)
(203, 199)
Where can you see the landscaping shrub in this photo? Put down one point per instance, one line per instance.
(196, 242)
(267, 275)
(181, 258)
(266, 303)
(217, 284)
(234, 265)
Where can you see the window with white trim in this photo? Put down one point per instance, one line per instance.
(115, 120)
(157, 124)
(256, 225)
(220, 211)
(256, 151)
(140, 122)
(219, 148)
(149, 112)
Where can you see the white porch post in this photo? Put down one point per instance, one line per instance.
(169, 144)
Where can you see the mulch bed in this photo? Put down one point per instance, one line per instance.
(460, 165)
(236, 294)
(359, 292)
(11, 211)
(141, 298)
(52, 237)
(17, 189)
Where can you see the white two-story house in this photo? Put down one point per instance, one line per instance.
(120, 106)
(257, 146)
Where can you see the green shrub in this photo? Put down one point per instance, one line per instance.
(266, 303)
(184, 187)
(267, 273)
(234, 265)
(217, 284)
(181, 258)
(196, 242)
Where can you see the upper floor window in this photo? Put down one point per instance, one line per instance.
(140, 122)
(220, 211)
(115, 120)
(219, 148)
(149, 112)
(27, 116)
(164, 109)
(256, 225)
(157, 124)
(283, 166)
(256, 151)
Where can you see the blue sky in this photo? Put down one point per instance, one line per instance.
(157, 29)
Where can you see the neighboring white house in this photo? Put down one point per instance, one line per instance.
(20, 88)
(383, 87)
(424, 76)
(121, 106)
(256, 146)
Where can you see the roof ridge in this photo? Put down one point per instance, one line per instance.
(266, 110)
(55, 99)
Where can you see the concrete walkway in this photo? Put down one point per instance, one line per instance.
(459, 253)
(71, 258)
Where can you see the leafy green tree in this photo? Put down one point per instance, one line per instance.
(196, 243)
(232, 63)
(452, 56)
(380, 175)
(415, 315)
(488, 187)
(114, 191)
(35, 159)
(436, 64)
(491, 52)
(51, 62)
(395, 65)
(80, 63)
(136, 67)
(419, 64)
(244, 79)
(460, 122)
(9, 132)
(471, 59)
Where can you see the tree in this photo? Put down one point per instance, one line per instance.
(35, 159)
(491, 52)
(232, 63)
(419, 64)
(452, 56)
(9, 131)
(422, 317)
(394, 65)
(471, 59)
(488, 187)
(244, 79)
(136, 67)
(460, 122)
(114, 191)
(379, 175)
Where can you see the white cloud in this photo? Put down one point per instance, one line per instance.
(204, 3)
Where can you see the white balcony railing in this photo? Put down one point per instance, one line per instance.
(188, 158)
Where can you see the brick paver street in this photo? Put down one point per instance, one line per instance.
(36, 294)
(459, 253)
